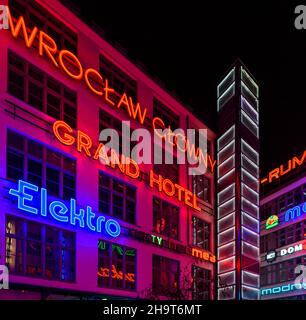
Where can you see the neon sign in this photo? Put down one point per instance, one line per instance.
(292, 249)
(272, 222)
(71, 65)
(118, 275)
(281, 171)
(281, 289)
(295, 212)
(64, 133)
(203, 255)
(60, 212)
(173, 189)
(272, 255)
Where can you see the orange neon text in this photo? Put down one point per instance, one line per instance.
(173, 189)
(284, 169)
(203, 255)
(71, 65)
(183, 144)
(83, 143)
(115, 274)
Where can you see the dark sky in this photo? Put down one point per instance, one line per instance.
(190, 44)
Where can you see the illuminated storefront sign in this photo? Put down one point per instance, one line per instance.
(173, 189)
(83, 143)
(282, 170)
(282, 289)
(272, 222)
(71, 65)
(272, 255)
(295, 212)
(36, 202)
(196, 252)
(115, 272)
(203, 255)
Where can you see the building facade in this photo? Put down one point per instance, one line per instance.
(70, 226)
(283, 231)
(238, 185)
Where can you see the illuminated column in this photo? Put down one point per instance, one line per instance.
(238, 186)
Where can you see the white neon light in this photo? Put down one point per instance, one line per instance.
(230, 74)
(248, 108)
(243, 71)
(249, 149)
(220, 154)
(249, 123)
(231, 133)
(225, 163)
(226, 175)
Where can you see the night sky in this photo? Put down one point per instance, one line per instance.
(190, 44)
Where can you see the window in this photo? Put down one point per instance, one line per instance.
(107, 121)
(284, 202)
(118, 79)
(165, 218)
(201, 283)
(33, 249)
(35, 15)
(33, 162)
(117, 198)
(167, 171)
(201, 187)
(283, 237)
(166, 275)
(280, 272)
(201, 233)
(30, 84)
(168, 116)
(116, 266)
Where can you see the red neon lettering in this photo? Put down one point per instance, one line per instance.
(157, 181)
(137, 111)
(84, 142)
(108, 90)
(87, 80)
(66, 139)
(49, 47)
(20, 24)
(124, 101)
(75, 59)
(298, 162)
(274, 174)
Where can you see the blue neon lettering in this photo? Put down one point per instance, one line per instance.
(74, 216)
(281, 289)
(43, 202)
(60, 212)
(295, 212)
(60, 215)
(90, 215)
(109, 230)
(100, 220)
(22, 196)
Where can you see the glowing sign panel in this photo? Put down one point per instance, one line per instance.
(295, 212)
(59, 210)
(272, 222)
(281, 289)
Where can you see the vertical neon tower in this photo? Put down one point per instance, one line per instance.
(238, 186)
